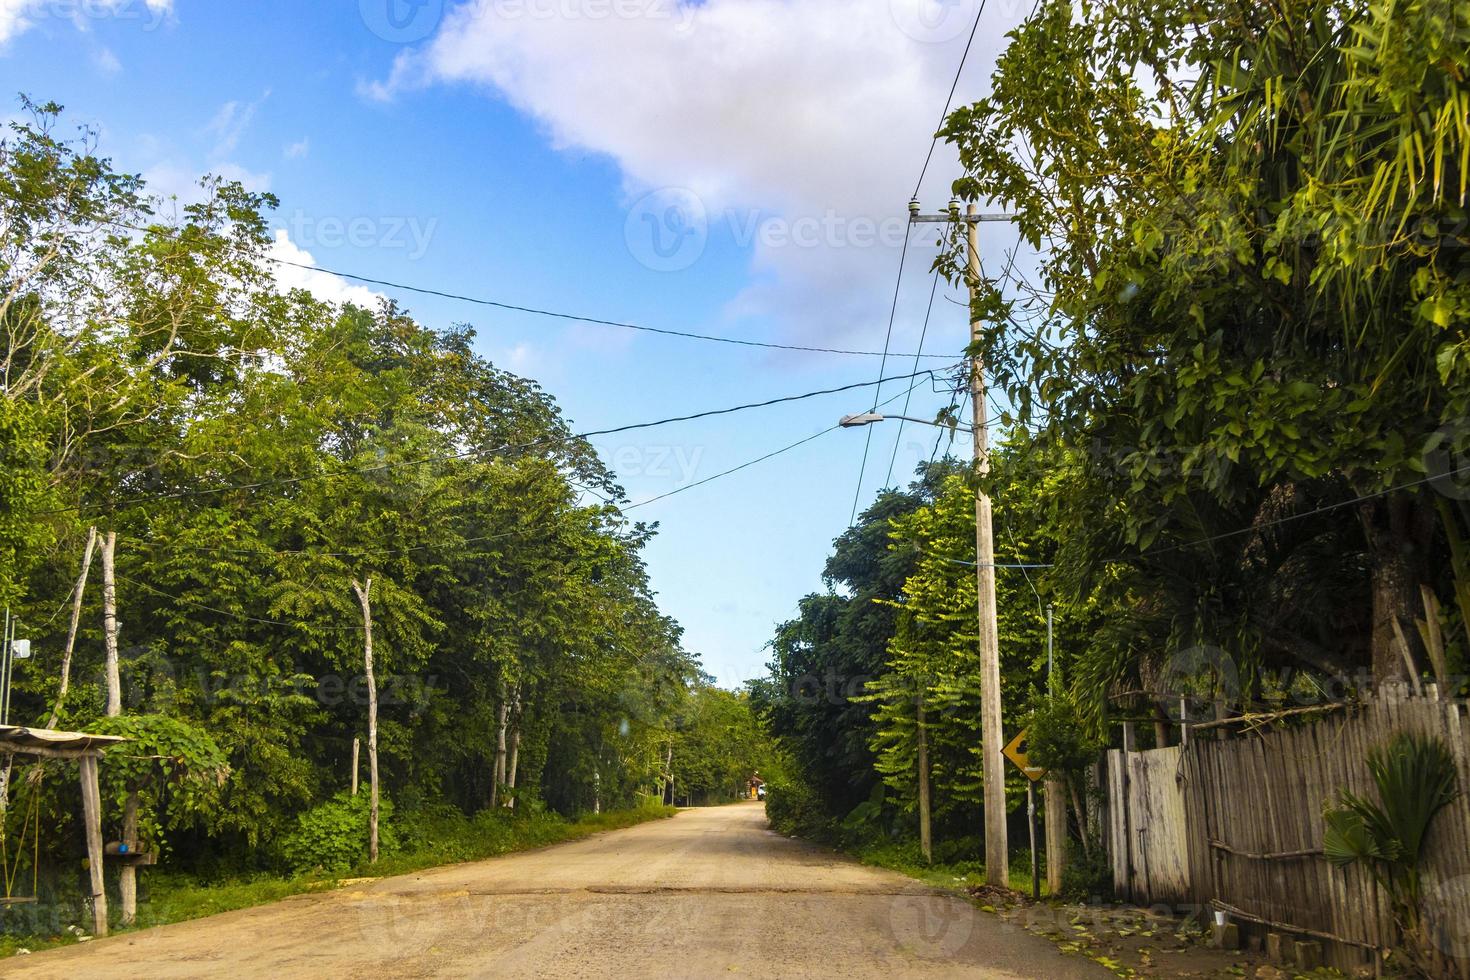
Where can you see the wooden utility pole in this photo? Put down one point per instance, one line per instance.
(364, 597)
(997, 860)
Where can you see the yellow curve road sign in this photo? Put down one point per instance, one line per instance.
(1016, 752)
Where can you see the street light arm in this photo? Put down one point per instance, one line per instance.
(868, 418)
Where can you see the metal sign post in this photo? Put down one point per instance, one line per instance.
(1016, 752)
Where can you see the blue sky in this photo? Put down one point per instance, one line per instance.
(735, 167)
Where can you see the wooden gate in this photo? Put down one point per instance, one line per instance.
(1147, 834)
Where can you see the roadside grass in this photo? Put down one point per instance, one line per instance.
(953, 875)
(427, 842)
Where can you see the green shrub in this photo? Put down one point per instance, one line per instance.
(795, 810)
(1087, 879)
(333, 836)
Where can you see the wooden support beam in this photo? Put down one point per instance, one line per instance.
(92, 826)
(46, 752)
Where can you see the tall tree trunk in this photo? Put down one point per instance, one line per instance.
(109, 623)
(515, 752)
(364, 597)
(71, 631)
(502, 719)
(128, 874)
(1399, 529)
(925, 841)
(669, 771)
(1081, 818)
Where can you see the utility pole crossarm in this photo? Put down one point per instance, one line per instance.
(960, 218)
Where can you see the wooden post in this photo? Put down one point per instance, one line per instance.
(364, 596)
(356, 745)
(128, 873)
(1056, 833)
(92, 828)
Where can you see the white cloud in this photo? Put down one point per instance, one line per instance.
(230, 123)
(107, 62)
(19, 16)
(807, 110)
(297, 150)
(323, 285)
(169, 179)
(521, 359)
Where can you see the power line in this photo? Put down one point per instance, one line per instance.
(887, 338)
(447, 457)
(761, 459)
(898, 439)
(1253, 527)
(496, 304)
(1262, 525)
(369, 552)
(225, 612)
(950, 99)
(687, 335)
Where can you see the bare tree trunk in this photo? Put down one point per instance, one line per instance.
(364, 596)
(597, 788)
(71, 641)
(356, 748)
(71, 632)
(925, 841)
(128, 874)
(1398, 529)
(669, 771)
(1081, 818)
(1161, 728)
(515, 752)
(109, 623)
(502, 719)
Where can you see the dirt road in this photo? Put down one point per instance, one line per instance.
(710, 892)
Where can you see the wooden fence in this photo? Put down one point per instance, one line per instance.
(1234, 822)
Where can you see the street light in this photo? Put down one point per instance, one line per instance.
(868, 418)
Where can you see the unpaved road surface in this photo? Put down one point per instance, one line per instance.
(710, 892)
